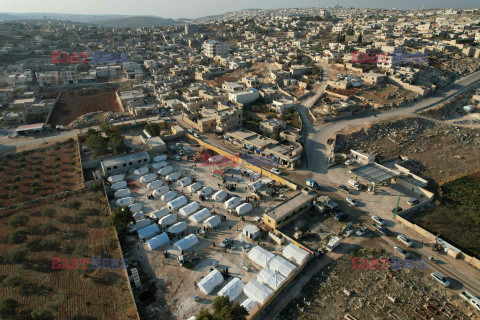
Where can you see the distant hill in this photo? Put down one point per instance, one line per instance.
(137, 22)
(7, 17)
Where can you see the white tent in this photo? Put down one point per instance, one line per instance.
(135, 207)
(248, 304)
(184, 182)
(168, 220)
(159, 165)
(119, 185)
(158, 214)
(200, 215)
(233, 289)
(148, 178)
(173, 176)
(125, 201)
(160, 191)
(160, 158)
(139, 215)
(165, 171)
(178, 227)
(295, 254)
(220, 195)
(177, 203)
(232, 203)
(205, 191)
(212, 221)
(122, 193)
(116, 178)
(282, 266)
(254, 186)
(141, 171)
(140, 224)
(155, 184)
(189, 209)
(270, 278)
(257, 291)
(170, 195)
(244, 208)
(186, 242)
(210, 282)
(194, 187)
(158, 241)
(148, 232)
(260, 256)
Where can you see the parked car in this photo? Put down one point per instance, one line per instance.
(399, 209)
(340, 216)
(349, 162)
(378, 220)
(362, 231)
(353, 202)
(383, 231)
(404, 253)
(181, 152)
(440, 279)
(226, 243)
(403, 238)
(276, 171)
(413, 201)
(196, 135)
(344, 188)
(177, 158)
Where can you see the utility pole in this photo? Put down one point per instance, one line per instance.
(396, 208)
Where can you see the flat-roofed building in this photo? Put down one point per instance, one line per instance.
(288, 210)
(122, 164)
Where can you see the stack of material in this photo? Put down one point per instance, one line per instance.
(260, 256)
(233, 289)
(210, 282)
(256, 291)
(295, 254)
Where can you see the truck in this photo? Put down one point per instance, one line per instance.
(187, 259)
(333, 243)
(354, 184)
(312, 184)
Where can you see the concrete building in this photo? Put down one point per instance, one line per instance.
(362, 157)
(288, 210)
(229, 118)
(156, 144)
(215, 48)
(47, 78)
(272, 126)
(122, 164)
(233, 87)
(374, 78)
(191, 29)
(244, 97)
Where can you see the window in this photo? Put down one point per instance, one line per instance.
(114, 167)
(124, 164)
(139, 161)
(144, 160)
(130, 163)
(108, 168)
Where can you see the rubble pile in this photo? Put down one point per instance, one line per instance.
(90, 119)
(450, 109)
(432, 76)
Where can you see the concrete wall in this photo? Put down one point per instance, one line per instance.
(409, 87)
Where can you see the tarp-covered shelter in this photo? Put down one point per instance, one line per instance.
(210, 282)
(189, 209)
(186, 242)
(257, 291)
(233, 289)
(177, 203)
(295, 254)
(148, 232)
(260, 256)
(158, 241)
(282, 266)
(212, 221)
(270, 278)
(200, 215)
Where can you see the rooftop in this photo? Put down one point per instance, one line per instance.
(287, 207)
(126, 158)
(374, 173)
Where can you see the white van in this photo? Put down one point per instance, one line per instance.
(354, 184)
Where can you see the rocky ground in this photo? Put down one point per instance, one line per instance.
(452, 108)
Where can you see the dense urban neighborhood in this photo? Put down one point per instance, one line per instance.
(295, 163)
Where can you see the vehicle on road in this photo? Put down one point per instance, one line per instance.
(440, 279)
(187, 259)
(353, 202)
(378, 220)
(344, 188)
(312, 184)
(340, 216)
(276, 171)
(354, 184)
(362, 231)
(403, 239)
(383, 230)
(226, 243)
(413, 201)
(333, 243)
(196, 135)
(404, 253)
(399, 209)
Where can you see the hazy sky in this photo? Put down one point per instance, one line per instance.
(200, 8)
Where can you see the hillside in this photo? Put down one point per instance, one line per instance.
(137, 22)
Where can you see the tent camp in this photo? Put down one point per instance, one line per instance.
(158, 241)
(160, 158)
(244, 208)
(212, 221)
(189, 209)
(148, 232)
(168, 220)
(178, 227)
(200, 215)
(177, 203)
(186, 242)
(254, 186)
(119, 185)
(194, 187)
(219, 196)
(159, 165)
(141, 171)
(165, 171)
(140, 224)
(135, 207)
(148, 178)
(248, 304)
(205, 191)
(295, 254)
(155, 184)
(173, 176)
(270, 278)
(210, 282)
(232, 203)
(233, 289)
(158, 214)
(170, 195)
(282, 266)
(184, 182)
(160, 191)
(257, 291)
(123, 202)
(260, 256)
(116, 178)
(139, 215)
(122, 193)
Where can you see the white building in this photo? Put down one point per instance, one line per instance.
(215, 48)
(47, 78)
(244, 97)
